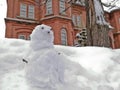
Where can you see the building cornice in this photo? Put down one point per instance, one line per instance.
(116, 32)
(77, 4)
(22, 20)
(55, 16)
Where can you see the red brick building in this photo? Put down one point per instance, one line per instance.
(114, 19)
(65, 19)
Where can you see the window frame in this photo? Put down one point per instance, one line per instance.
(49, 9)
(27, 11)
(74, 20)
(62, 6)
(77, 20)
(31, 11)
(23, 10)
(64, 36)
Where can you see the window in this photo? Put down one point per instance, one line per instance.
(49, 7)
(74, 20)
(63, 37)
(31, 11)
(27, 11)
(21, 37)
(77, 21)
(62, 6)
(23, 10)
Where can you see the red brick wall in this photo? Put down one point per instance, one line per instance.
(14, 27)
(114, 20)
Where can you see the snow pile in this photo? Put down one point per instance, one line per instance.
(56, 67)
(11, 65)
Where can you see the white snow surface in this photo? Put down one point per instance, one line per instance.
(55, 67)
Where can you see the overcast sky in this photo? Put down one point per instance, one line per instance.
(3, 8)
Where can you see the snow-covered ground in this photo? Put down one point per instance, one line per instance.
(54, 67)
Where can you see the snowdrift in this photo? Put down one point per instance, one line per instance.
(39, 65)
(87, 68)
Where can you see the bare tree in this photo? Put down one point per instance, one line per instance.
(97, 27)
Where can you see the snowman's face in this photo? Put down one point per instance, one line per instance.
(42, 33)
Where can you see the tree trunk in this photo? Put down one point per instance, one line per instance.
(97, 34)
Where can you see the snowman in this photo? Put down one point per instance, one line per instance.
(45, 69)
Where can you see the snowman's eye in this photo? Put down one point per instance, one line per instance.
(42, 27)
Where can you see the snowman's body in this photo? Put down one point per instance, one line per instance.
(45, 70)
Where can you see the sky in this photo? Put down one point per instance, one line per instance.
(3, 8)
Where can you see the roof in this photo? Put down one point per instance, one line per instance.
(112, 9)
(115, 9)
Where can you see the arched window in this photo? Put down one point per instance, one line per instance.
(63, 36)
(21, 36)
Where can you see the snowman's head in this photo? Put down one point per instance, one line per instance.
(42, 36)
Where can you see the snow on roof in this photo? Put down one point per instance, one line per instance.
(99, 13)
(114, 9)
(80, 2)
